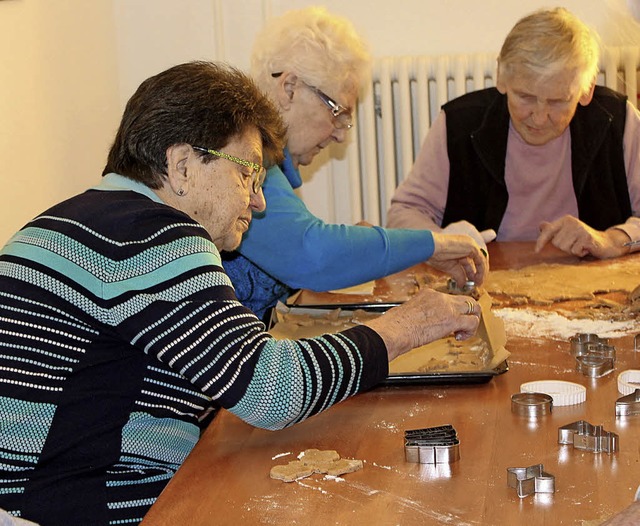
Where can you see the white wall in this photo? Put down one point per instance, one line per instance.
(67, 68)
(58, 102)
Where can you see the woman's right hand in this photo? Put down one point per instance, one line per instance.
(426, 317)
(459, 256)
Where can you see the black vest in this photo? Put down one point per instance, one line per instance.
(477, 130)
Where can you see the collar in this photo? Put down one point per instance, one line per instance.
(113, 182)
(291, 172)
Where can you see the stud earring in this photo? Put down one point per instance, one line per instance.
(180, 192)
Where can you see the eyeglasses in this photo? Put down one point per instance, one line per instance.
(258, 172)
(342, 118)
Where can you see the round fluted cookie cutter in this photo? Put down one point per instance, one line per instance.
(532, 405)
(562, 393)
(628, 381)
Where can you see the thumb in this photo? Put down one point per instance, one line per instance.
(488, 235)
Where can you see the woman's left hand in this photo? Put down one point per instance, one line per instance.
(460, 257)
(573, 236)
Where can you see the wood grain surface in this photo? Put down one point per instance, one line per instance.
(226, 480)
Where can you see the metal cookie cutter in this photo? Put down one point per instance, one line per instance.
(533, 479)
(468, 288)
(531, 405)
(432, 445)
(594, 356)
(595, 364)
(582, 342)
(588, 437)
(628, 405)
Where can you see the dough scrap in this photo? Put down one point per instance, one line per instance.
(315, 461)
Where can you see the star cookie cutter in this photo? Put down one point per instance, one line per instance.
(432, 445)
(583, 435)
(530, 480)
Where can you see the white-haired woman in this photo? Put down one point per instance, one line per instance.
(312, 65)
(545, 156)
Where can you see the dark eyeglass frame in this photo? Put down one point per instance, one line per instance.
(258, 172)
(342, 118)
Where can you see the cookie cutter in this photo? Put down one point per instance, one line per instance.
(628, 405)
(468, 288)
(583, 435)
(595, 365)
(529, 480)
(582, 342)
(594, 356)
(628, 381)
(432, 445)
(562, 393)
(532, 405)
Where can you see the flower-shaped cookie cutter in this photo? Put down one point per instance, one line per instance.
(530, 480)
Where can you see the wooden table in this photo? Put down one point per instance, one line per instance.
(226, 480)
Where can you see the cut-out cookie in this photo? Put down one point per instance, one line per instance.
(315, 461)
(291, 472)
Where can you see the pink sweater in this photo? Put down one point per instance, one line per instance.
(538, 180)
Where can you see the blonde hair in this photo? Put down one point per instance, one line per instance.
(321, 48)
(548, 41)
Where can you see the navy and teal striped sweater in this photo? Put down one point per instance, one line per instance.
(118, 330)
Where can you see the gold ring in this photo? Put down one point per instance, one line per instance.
(469, 307)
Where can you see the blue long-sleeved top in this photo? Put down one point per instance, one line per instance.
(287, 247)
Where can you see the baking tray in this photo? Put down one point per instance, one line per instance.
(444, 378)
(407, 378)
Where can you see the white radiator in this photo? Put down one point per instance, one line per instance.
(405, 96)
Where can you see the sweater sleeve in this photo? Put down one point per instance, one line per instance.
(184, 313)
(419, 201)
(288, 242)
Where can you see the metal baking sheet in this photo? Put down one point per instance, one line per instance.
(444, 378)
(406, 378)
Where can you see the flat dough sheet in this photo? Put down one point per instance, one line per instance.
(545, 284)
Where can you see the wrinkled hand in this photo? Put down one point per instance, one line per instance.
(460, 257)
(571, 235)
(464, 227)
(426, 317)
